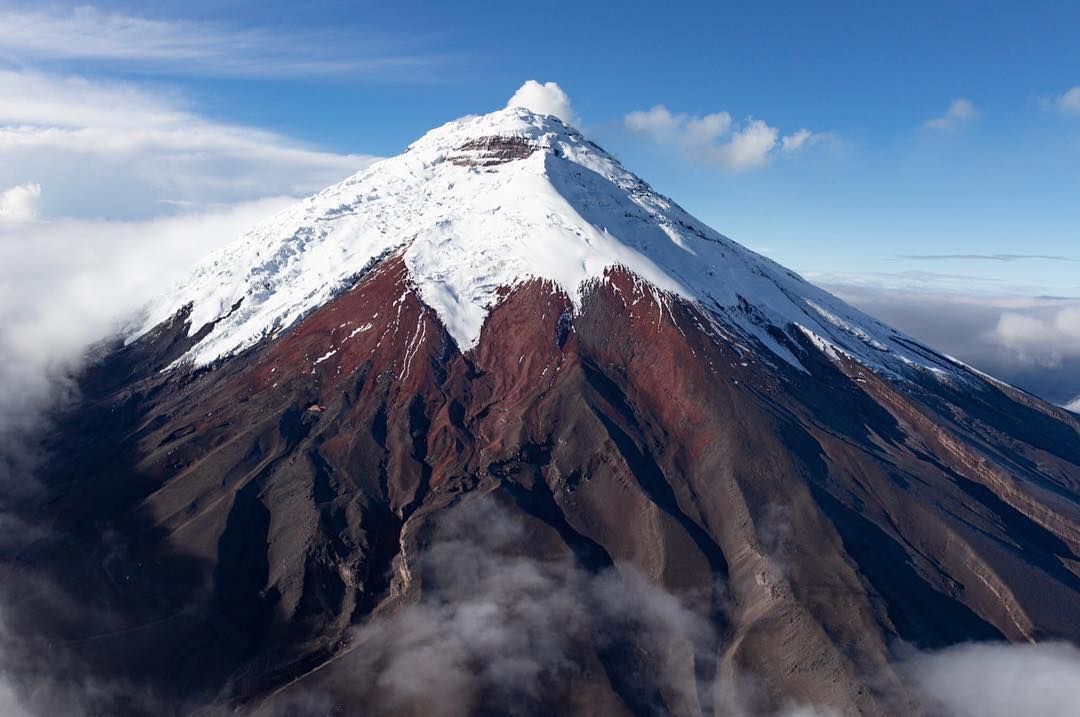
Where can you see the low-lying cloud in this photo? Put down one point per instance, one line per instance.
(999, 680)
(717, 139)
(107, 192)
(1046, 338)
(504, 624)
(1030, 342)
(66, 283)
(499, 626)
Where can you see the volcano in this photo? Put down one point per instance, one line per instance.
(492, 427)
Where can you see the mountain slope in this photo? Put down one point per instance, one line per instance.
(492, 427)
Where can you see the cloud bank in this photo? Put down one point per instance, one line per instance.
(1030, 342)
(716, 139)
(65, 283)
(1045, 338)
(997, 680)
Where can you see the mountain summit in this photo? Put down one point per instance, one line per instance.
(492, 427)
(484, 204)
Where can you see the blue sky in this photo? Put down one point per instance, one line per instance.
(942, 158)
(870, 74)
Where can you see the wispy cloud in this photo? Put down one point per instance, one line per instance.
(717, 139)
(960, 112)
(803, 138)
(986, 257)
(187, 47)
(951, 283)
(90, 148)
(1068, 102)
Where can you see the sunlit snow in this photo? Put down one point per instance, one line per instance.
(566, 212)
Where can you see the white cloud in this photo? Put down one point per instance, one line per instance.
(547, 98)
(33, 99)
(749, 147)
(662, 125)
(20, 203)
(1000, 680)
(116, 150)
(9, 705)
(66, 283)
(716, 139)
(1041, 339)
(1069, 103)
(960, 112)
(86, 33)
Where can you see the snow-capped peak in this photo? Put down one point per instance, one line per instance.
(487, 202)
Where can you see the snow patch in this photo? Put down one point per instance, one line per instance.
(848, 327)
(325, 356)
(824, 345)
(359, 330)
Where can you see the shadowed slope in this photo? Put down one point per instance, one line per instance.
(286, 505)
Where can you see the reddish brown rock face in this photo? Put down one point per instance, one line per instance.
(278, 506)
